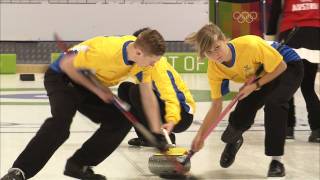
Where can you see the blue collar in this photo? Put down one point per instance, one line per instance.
(125, 54)
(233, 52)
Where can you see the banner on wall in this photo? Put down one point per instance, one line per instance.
(183, 62)
(187, 62)
(237, 18)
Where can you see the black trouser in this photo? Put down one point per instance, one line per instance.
(130, 93)
(274, 96)
(307, 37)
(65, 99)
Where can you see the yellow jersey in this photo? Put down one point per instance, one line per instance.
(248, 52)
(107, 58)
(170, 88)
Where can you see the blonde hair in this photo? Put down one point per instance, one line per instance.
(151, 42)
(205, 38)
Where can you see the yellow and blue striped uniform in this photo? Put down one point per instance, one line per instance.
(107, 58)
(248, 53)
(171, 89)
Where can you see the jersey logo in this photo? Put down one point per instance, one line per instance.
(305, 6)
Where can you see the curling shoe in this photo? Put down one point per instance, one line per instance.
(276, 169)
(14, 174)
(290, 133)
(315, 136)
(139, 142)
(81, 172)
(142, 142)
(229, 153)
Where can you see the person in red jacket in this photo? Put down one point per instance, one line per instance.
(305, 15)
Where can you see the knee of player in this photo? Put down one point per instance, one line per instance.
(275, 103)
(124, 88)
(121, 124)
(55, 130)
(134, 94)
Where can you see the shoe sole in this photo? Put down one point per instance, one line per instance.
(283, 176)
(274, 178)
(71, 176)
(289, 137)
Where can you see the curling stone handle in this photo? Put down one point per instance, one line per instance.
(166, 135)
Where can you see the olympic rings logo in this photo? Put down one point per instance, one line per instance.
(245, 16)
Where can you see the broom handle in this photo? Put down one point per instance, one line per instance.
(124, 107)
(166, 135)
(228, 108)
(222, 114)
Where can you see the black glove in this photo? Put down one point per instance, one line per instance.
(162, 144)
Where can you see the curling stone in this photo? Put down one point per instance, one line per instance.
(164, 164)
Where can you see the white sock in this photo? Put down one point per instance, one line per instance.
(277, 158)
